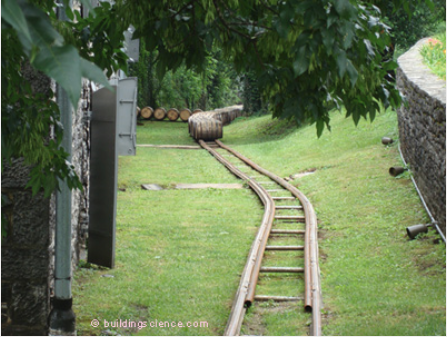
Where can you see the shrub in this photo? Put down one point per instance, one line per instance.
(433, 53)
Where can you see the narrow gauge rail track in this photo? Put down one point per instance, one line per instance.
(262, 185)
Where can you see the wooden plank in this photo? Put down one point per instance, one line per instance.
(290, 217)
(281, 270)
(289, 207)
(287, 231)
(283, 198)
(151, 187)
(181, 147)
(264, 298)
(284, 248)
(202, 186)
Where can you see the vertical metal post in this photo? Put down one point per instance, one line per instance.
(62, 318)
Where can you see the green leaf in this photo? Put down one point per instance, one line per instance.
(301, 62)
(13, 14)
(64, 66)
(352, 72)
(341, 62)
(94, 73)
(320, 127)
(345, 9)
(328, 37)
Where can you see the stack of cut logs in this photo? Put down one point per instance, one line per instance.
(160, 114)
(208, 125)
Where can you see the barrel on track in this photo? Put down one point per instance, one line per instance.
(208, 125)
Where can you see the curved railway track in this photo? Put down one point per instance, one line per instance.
(301, 217)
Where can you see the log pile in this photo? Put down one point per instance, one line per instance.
(208, 125)
(173, 114)
(160, 114)
(185, 114)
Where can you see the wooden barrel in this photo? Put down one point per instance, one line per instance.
(172, 114)
(196, 111)
(159, 114)
(138, 111)
(147, 112)
(185, 114)
(208, 129)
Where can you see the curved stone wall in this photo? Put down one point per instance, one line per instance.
(422, 128)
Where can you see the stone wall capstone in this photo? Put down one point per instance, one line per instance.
(422, 129)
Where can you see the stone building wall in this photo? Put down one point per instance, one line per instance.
(422, 129)
(25, 254)
(28, 249)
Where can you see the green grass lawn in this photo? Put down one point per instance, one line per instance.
(180, 252)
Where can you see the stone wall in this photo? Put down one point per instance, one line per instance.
(422, 129)
(25, 254)
(28, 249)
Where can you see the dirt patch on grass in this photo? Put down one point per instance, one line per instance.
(303, 173)
(254, 326)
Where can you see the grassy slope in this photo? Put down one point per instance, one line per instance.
(375, 281)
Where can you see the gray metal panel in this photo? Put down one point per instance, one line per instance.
(126, 118)
(103, 178)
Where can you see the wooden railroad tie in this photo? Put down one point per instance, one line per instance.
(264, 298)
(283, 198)
(289, 207)
(288, 231)
(284, 248)
(298, 218)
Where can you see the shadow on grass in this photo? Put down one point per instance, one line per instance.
(266, 131)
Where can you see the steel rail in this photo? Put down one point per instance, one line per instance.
(312, 298)
(239, 306)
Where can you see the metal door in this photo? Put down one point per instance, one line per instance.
(103, 178)
(127, 118)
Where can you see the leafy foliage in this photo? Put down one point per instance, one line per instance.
(417, 21)
(32, 34)
(251, 96)
(183, 87)
(308, 56)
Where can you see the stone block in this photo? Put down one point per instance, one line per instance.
(24, 263)
(30, 303)
(15, 175)
(30, 220)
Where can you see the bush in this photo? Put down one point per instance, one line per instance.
(423, 22)
(434, 56)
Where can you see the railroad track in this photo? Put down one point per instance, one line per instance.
(287, 214)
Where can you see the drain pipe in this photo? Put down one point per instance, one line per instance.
(62, 318)
(434, 223)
